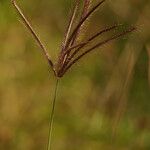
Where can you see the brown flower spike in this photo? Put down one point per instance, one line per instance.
(72, 50)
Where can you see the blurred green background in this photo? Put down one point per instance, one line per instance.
(103, 101)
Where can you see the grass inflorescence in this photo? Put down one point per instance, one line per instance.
(72, 49)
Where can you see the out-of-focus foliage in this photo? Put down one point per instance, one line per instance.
(103, 101)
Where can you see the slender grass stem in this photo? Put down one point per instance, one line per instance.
(52, 116)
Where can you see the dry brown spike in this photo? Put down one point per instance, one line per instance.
(96, 46)
(34, 34)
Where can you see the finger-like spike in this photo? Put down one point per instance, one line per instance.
(62, 56)
(35, 36)
(98, 45)
(84, 13)
(72, 19)
(82, 21)
(81, 45)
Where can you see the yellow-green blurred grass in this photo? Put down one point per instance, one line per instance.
(88, 97)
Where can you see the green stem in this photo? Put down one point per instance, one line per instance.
(52, 116)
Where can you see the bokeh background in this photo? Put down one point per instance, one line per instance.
(103, 101)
